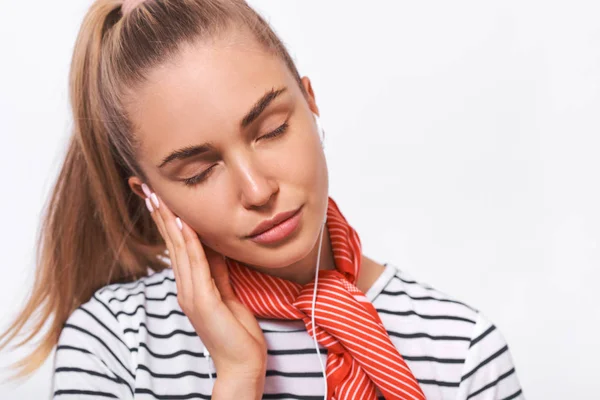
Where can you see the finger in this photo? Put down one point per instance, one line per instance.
(199, 264)
(179, 247)
(159, 224)
(157, 218)
(220, 273)
(180, 281)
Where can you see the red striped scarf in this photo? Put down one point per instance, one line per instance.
(360, 355)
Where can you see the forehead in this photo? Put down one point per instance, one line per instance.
(206, 86)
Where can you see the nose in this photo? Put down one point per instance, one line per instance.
(256, 188)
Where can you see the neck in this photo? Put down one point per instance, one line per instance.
(303, 271)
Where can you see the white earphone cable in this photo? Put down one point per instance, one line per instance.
(314, 299)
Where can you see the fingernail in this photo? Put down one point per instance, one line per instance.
(179, 224)
(146, 190)
(154, 199)
(149, 205)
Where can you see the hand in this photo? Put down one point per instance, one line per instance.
(227, 328)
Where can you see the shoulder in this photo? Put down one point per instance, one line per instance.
(125, 298)
(489, 366)
(429, 327)
(452, 336)
(426, 303)
(98, 346)
(143, 307)
(154, 283)
(115, 311)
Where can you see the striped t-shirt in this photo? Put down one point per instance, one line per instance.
(133, 341)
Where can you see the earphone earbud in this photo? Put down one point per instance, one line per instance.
(319, 128)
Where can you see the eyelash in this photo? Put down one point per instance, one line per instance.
(201, 177)
(198, 178)
(276, 132)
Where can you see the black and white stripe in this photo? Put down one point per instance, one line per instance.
(133, 341)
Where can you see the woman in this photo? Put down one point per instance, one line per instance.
(191, 250)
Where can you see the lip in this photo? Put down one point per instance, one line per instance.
(276, 228)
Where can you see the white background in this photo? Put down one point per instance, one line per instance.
(471, 129)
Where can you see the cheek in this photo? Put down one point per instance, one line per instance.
(207, 215)
(303, 163)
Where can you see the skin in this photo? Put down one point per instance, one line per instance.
(200, 96)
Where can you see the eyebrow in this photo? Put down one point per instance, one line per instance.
(250, 117)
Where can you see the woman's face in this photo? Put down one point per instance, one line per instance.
(228, 140)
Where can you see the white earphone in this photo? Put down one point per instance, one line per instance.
(320, 129)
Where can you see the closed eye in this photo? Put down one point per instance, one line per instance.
(200, 177)
(276, 132)
(196, 179)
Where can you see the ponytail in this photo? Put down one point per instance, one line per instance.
(94, 231)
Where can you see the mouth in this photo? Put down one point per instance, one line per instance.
(277, 228)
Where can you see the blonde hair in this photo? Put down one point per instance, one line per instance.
(95, 231)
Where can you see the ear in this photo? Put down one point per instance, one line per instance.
(135, 184)
(312, 104)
